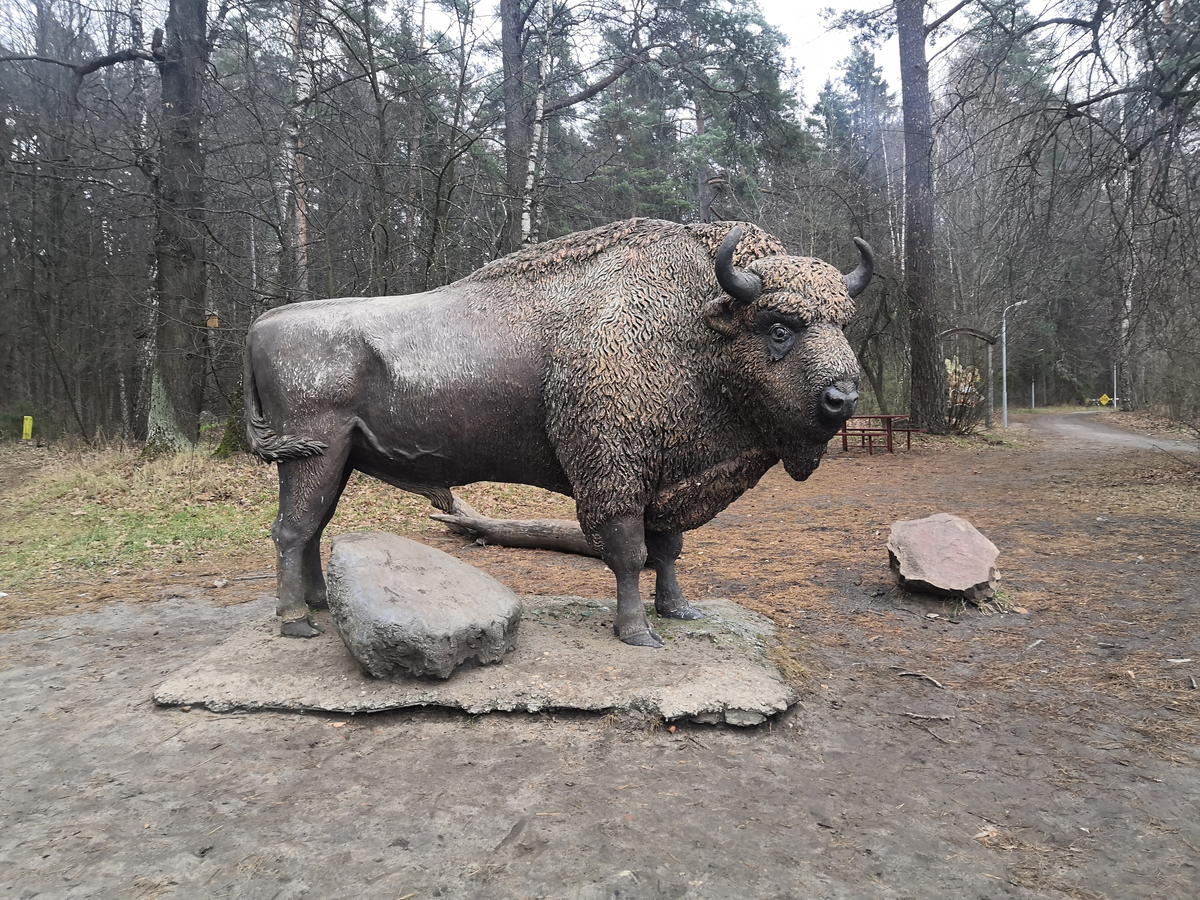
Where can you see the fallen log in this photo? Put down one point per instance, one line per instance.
(561, 535)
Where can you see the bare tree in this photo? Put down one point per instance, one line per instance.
(525, 86)
(927, 405)
(181, 278)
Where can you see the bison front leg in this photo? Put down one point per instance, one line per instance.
(663, 549)
(623, 549)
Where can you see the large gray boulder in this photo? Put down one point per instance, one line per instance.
(944, 555)
(402, 608)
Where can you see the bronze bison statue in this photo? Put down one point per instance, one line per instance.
(650, 370)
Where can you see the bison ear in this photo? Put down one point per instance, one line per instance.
(719, 317)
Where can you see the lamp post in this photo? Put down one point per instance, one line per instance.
(1004, 357)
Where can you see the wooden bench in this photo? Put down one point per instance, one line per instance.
(863, 428)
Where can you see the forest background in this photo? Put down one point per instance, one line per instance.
(170, 169)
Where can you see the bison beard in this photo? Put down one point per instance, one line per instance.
(801, 467)
(652, 371)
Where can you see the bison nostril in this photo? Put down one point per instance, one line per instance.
(838, 405)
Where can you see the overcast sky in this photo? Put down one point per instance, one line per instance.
(816, 49)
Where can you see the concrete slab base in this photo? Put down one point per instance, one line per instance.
(712, 670)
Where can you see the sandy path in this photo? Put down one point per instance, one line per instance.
(1057, 759)
(1088, 429)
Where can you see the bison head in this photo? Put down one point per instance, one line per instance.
(795, 373)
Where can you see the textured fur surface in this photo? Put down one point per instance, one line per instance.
(646, 407)
(589, 365)
(558, 255)
(650, 410)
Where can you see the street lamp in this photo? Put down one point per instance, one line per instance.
(1004, 356)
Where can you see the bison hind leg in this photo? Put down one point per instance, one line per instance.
(315, 594)
(663, 548)
(309, 490)
(301, 628)
(649, 638)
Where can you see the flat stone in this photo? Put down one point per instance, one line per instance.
(403, 608)
(713, 669)
(944, 555)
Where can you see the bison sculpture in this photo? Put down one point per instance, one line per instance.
(652, 371)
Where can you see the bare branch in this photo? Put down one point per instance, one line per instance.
(133, 53)
(82, 70)
(623, 66)
(942, 20)
(37, 58)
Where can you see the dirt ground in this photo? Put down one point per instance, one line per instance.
(936, 752)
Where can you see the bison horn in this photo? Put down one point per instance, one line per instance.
(857, 281)
(742, 286)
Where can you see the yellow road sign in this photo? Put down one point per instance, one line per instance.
(27, 429)
(1104, 401)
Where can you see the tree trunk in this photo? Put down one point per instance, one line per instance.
(179, 367)
(518, 126)
(532, 166)
(561, 535)
(380, 204)
(437, 260)
(536, 139)
(874, 374)
(413, 192)
(927, 404)
(704, 194)
(295, 199)
(144, 322)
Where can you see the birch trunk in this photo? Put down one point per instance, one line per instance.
(295, 200)
(531, 170)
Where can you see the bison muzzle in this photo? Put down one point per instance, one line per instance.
(652, 371)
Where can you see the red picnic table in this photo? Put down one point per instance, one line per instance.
(867, 431)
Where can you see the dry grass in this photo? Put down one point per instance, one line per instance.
(79, 527)
(75, 515)
(787, 656)
(1152, 422)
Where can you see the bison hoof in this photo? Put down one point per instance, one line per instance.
(687, 611)
(645, 639)
(301, 628)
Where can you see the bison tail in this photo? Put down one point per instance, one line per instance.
(271, 447)
(262, 439)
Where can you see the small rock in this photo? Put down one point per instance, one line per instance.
(944, 555)
(744, 717)
(402, 608)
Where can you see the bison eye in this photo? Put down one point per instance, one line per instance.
(779, 340)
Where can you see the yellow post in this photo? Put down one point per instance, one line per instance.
(27, 429)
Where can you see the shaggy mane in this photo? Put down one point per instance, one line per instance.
(561, 253)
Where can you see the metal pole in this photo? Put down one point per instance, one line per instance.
(1004, 364)
(1033, 394)
(1114, 387)
(991, 407)
(1004, 356)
